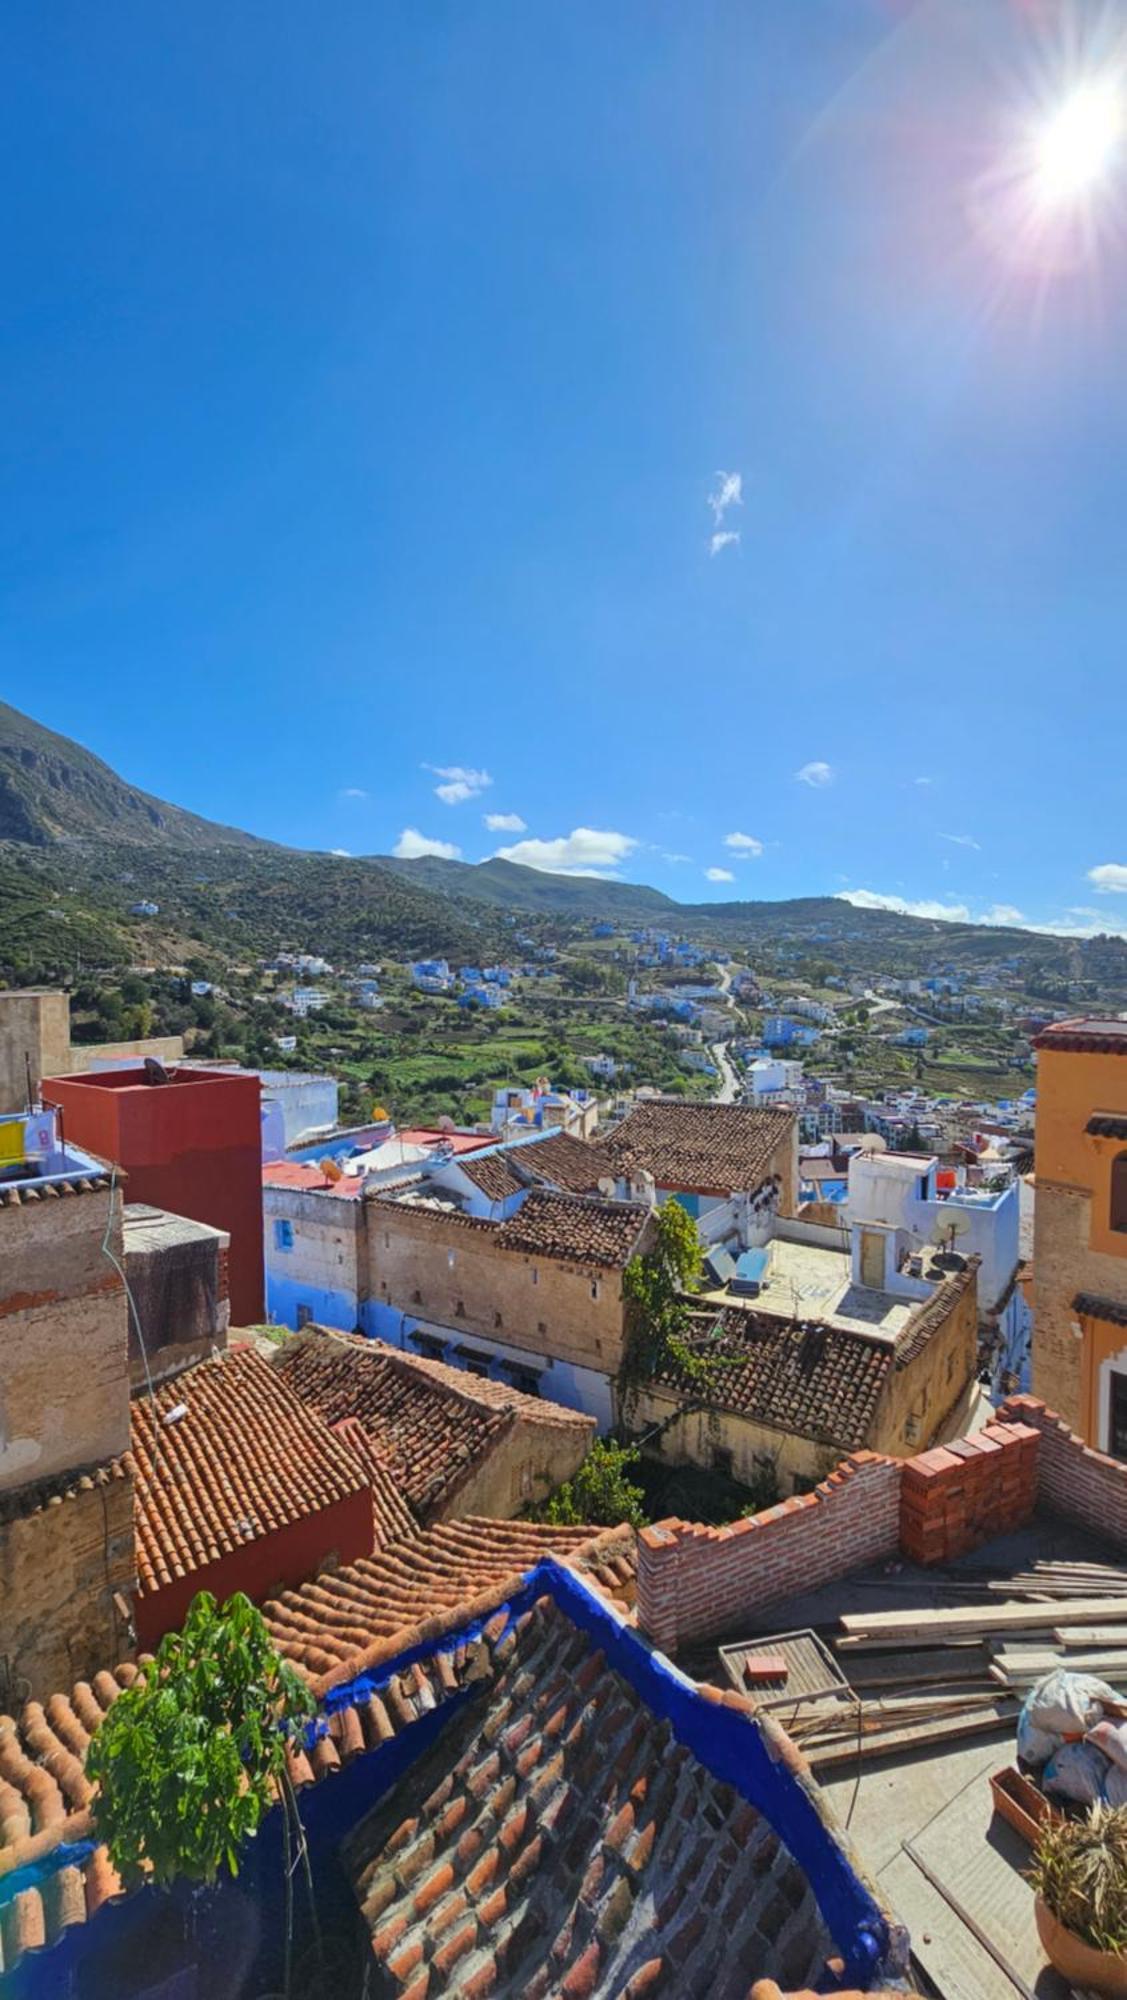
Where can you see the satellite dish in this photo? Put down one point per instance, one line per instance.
(873, 1143)
(606, 1186)
(330, 1168)
(446, 1123)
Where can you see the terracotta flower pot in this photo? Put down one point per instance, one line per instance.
(1081, 1964)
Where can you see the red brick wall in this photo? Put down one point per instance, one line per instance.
(963, 1493)
(1082, 1484)
(274, 1562)
(694, 1581)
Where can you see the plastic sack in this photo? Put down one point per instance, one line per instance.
(1115, 1786)
(1078, 1771)
(1034, 1746)
(1068, 1703)
(1111, 1738)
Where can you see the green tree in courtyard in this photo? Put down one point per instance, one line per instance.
(600, 1492)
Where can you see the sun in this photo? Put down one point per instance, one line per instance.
(1080, 144)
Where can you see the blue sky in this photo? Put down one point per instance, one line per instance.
(382, 385)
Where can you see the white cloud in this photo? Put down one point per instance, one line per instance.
(584, 851)
(1001, 913)
(728, 492)
(1110, 878)
(341, 853)
(352, 792)
(868, 899)
(412, 845)
(724, 538)
(460, 782)
(675, 858)
(504, 823)
(924, 781)
(816, 774)
(718, 875)
(962, 840)
(744, 844)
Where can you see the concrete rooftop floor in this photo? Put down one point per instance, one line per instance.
(936, 1803)
(806, 1281)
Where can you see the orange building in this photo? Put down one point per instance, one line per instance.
(1080, 1229)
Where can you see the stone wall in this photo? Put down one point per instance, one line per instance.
(65, 1552)
(451, 1270)
(64, 1369)
(35, 1031)
(324, 1276)
(937, 1357)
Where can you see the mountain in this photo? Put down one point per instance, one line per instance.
(52, 789)
(508, 886)
(80, 847)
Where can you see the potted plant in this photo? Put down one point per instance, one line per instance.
(1079, 1875)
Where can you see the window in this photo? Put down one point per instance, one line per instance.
(535, 1275)
(594, 1288)
(460, 1310)
(304, 1316)
(722, 1460)
(1118, 1215)
(283, 1235)
(541, 1326)
(497, 1320)
(416, 1298)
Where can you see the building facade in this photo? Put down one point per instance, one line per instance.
(1080, 1229)
(189, 1142)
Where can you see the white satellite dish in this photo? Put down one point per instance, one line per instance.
(873, 1143)
(606, 1186)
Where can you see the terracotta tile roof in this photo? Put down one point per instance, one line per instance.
(245, 1458)
(493, 1175)
(44, 1795)
(17, 1502)
(934, 1312)
(564, 1160)
(558, 1840)
(700, 1148)
(818, 1381)
(1081, 1037)
(1089, 1305)
(392, 1518)
(577, 1229)
(341, 1621)
(1107, 1125)
(27, 1193)
(429, 1429)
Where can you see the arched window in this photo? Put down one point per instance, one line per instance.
(1118, 1217)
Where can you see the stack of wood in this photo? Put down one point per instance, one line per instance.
(925, 1677)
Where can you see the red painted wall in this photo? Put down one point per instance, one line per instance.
(275, 1562)
(192, 1145)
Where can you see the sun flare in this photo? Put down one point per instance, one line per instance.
(1080, 144)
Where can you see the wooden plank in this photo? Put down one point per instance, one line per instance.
(1092, 1637)
(923, 1736)
(1076, 1663)
(971, 1620)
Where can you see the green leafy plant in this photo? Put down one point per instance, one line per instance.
(190, 1758)
(600, 1492)
(1080, 1872)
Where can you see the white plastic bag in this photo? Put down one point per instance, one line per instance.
(1069, 1704)
(1111, 1738)
(1034, 1746)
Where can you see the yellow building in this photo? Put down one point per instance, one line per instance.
(1080, 1229)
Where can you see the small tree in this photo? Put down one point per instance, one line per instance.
(190, 1758)
(656, 1286)
(600, 1492)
